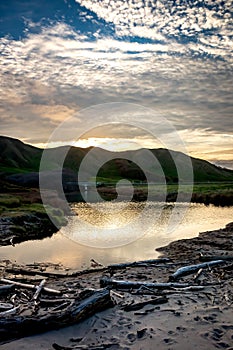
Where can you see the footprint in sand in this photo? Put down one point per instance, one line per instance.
(141, 333)
(131, 337)
(181, 329)
(227, 326)
(217, 334)
(169, 341)
(223, 345)
(211, 318)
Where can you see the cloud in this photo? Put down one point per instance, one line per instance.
(51, 74)
(157, 19)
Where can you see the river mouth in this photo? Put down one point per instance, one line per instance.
(75, 252)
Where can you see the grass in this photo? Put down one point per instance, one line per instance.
(9, 201)
(219, 194)
(12, 206)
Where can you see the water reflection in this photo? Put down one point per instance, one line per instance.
(60, 249)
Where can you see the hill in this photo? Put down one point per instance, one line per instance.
(18, 157)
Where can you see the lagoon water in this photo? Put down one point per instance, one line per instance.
(118, 232)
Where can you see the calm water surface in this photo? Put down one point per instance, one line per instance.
(114, 226)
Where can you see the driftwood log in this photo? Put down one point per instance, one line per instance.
(119, 284)
(84, 347)
(187, 270)
(138, 263)
(19, 326)
(215, 257)
(32, 272)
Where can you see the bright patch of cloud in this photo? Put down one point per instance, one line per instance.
(48, 76)
(157, 19)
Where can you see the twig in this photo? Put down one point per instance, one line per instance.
(9, 312)
(198, 274)
(30, 286)
(38, 290)
(117, 294)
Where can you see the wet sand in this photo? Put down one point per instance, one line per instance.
(199, 319)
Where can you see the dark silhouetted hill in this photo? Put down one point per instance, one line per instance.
(17, 157)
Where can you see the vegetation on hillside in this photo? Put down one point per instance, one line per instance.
(17, 157)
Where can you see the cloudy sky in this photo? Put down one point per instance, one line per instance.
(175, 56)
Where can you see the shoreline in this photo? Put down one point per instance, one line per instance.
(189, 320)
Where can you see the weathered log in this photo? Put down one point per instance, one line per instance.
(215, 257)
(138, 263)
(30, 286)
(6, 289)
(187, 270)
(120, 266)
(119, 284)
(51, 302)
(84, 347)
(138, 306)
(19, 326)
(31, 272)
(147, 291)
(62, 306)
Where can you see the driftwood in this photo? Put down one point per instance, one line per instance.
(30, 286)
(6, 306)
(119, 284)
(51, 302)
(38, 290)
(198, 274)
(9, 312)
(138, 306)
(117, 294)
(138, 263)
(84, 347)
(215, 257)
(33, 272)
(187, 270)
(18, 326)
(190, 289)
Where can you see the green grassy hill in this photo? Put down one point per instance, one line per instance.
(17, 157)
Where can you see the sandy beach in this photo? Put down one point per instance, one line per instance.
(190, 318)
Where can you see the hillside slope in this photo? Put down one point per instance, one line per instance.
(17, 157)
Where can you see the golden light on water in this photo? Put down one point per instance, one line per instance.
(115, 217)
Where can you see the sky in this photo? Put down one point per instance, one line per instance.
(59, 57)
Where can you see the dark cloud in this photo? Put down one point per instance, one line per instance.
(174, 57)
